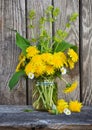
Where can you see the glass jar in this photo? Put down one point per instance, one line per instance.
(44, 95)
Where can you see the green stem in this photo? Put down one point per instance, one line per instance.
(44, 92)
(34, 92)
(64, 80)
(41, 94)
(52, 45)
(51, 95)
(45, 97)
(51, 29)
(56, 47)
(32, 30)
(37, 101)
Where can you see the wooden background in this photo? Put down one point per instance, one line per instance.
(14, 14)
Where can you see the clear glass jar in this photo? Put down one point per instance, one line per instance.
(44, 95)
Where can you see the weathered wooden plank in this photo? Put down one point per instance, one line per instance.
(67, 7)
(10, 128)
(86, 52)
(12, 15)
(14, 117)
(39, 6)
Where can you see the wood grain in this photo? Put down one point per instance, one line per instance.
(39, 6)
(14, 117)
(12, 15)
(10, 128)
(86, 52)
(67, 7)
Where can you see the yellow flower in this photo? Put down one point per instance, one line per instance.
(61, 105)
(21, 56)
(59, 59)
(71, 63)
(36, 66)
(49, 69)
(18, 67)
(75, 106)
(20, 64)
(39, 69)
(31, 51)
(73, 55)
(29, 68)
(47, 58)
(37, 60)
(70, 88)
(63, 58)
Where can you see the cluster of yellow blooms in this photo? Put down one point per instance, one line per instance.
(46, 63)
(72, 106)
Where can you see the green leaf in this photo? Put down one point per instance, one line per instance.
(22, 42)
(28, 110)
(62, 46)
(75, 48)
(56, 12)
(15, 78)
(68, 25)
(49, 9)
(73, 17)
(32, 14)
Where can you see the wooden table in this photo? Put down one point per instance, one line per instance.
(14, 118)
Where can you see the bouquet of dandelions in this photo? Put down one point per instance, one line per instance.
(43, 59)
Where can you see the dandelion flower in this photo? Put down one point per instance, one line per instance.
(31, 51)
(29, 68)
(47, 58)
(70, 88)
(73, 55)
(36, 66)
(39, 69)
(37, 59)
(21, 56)
(71, 63)
(59, 59)
(61, 105)
(20, 65)
(49, 69)
(75, 106)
